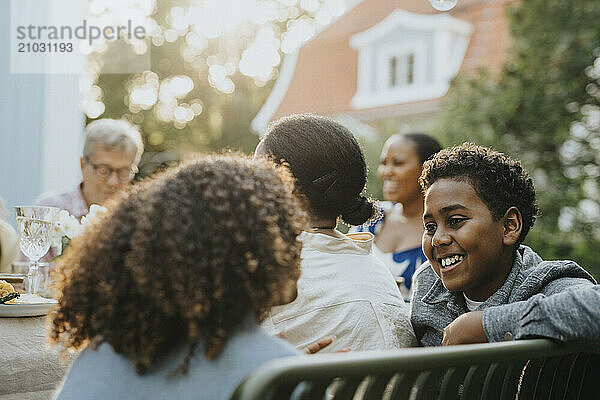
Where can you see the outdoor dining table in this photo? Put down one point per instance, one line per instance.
(30, 369)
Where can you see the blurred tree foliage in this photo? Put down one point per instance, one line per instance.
(212, 115)
(544, 109)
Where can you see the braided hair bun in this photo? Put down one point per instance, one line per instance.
(327, 162)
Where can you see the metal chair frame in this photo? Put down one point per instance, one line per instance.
(527, 369)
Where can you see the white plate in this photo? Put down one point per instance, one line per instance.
(32, 308)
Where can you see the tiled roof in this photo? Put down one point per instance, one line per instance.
(324, 78)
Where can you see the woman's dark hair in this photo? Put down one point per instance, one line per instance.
(498, 180)
(327, 162)
(185, 257)
(425, 145)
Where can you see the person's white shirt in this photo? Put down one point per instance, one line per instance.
(343, 290)
(472, 305)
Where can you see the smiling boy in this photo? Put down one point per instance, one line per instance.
(479, 279)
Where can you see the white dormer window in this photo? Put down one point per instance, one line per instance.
(408, 57)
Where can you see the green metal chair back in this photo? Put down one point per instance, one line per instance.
(528, 369)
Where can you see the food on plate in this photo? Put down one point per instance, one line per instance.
(8, 294)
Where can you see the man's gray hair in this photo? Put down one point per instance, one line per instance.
(113, 134)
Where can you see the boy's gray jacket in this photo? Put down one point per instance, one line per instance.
(514, 310)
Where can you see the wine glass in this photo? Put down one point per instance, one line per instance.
(34, 227)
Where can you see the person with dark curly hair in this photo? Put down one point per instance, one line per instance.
(164, 292)
(343, 289)
(480, 280)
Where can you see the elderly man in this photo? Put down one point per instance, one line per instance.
(111, 153)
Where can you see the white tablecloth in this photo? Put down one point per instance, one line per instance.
(30, 369)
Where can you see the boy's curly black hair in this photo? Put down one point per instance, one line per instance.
(498, 180)
(184, 257)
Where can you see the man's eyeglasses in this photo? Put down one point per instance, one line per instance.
(104, 171)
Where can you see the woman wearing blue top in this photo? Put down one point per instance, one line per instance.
(398, 232)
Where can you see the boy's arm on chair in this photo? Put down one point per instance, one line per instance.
(566, 316)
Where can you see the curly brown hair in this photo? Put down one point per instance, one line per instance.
(498, 180)
(185, 256)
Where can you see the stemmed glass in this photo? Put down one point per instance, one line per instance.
(34, 227)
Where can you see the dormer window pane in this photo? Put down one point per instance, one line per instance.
(401, 70)
(393, 71)
(410, 73)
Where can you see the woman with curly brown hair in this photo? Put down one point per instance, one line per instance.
(343, 289)
(171, 283)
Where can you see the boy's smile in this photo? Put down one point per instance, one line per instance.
(465, 246)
